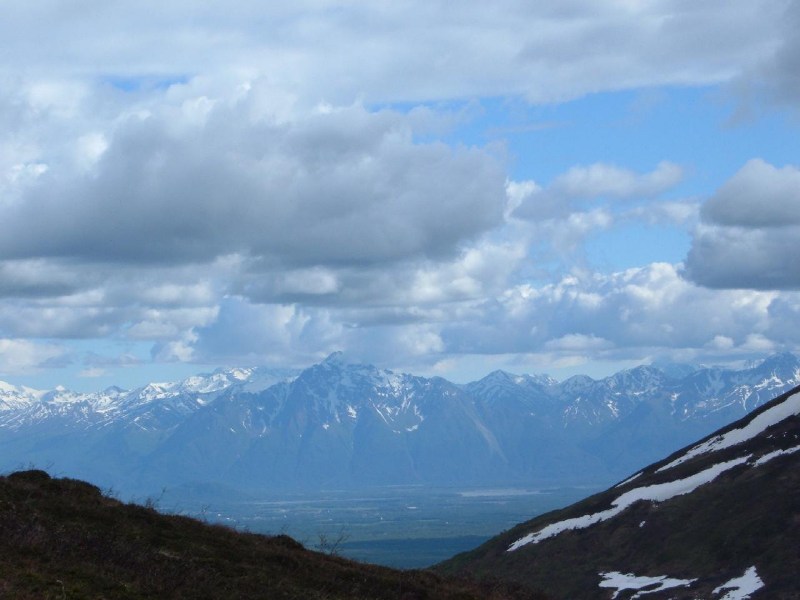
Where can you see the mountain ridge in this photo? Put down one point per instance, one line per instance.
(337, 423)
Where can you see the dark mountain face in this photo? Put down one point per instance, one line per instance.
(718, 519)
(340, 424)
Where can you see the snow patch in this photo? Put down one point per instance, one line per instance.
(629, 581)
(741, 587)
(629, 479)
(653, 493)
(769, 456)
(776, 414)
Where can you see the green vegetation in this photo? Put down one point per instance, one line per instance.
(62, 538)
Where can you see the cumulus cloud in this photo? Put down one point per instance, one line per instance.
(348, 186)
(481, 269)
(748, 231)
(758, 195)
(630, 313)
(229, 188)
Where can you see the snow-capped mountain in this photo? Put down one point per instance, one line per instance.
(716, 520)
(22, 407)
(339, 423)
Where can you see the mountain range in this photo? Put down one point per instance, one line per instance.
(340, 424)
(718, 520)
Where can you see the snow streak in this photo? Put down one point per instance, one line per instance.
(772, 416)
(653, 493)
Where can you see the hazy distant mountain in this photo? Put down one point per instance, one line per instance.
(717, 520)
(342, 424)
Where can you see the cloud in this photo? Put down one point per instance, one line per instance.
(602, 179)
(778, 74)
(577, 343)
(758, 195)
(344, 187)
(549, 51)
(479, 269)
(35, 278)
(245, 333)
(592, 182)
(256, 183)
(24, 356)
(682, 212)
(633, 313)
(748, 231)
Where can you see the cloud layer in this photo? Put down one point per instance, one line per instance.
(550, 51)
(268, 183)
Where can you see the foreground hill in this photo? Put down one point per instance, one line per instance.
(61, 538)
(717, 520)
(338, 424)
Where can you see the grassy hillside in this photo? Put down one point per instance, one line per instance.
(62, 538)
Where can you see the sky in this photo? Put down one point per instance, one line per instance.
(554, 187)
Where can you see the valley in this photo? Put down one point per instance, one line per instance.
(401, 527)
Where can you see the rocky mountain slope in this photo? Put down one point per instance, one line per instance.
(61, 538)
(719, 519)
(341, 424)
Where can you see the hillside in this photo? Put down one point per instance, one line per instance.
(719, 519)
(62, 538)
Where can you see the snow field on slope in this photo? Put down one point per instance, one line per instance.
(653, 493)
(741, 587)
(776, 414)
(629, 581)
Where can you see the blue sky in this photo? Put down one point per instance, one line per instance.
(566, 187)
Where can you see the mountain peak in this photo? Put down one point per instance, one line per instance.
(335, 359)
(782, 360)
(341, 359)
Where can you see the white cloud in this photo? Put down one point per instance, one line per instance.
(682, 212)
(602, 179)
(577, 343)
(748, 231)
(635, 313)
(548, 51)
(24, 356)
(222, 182)
(592, 182)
